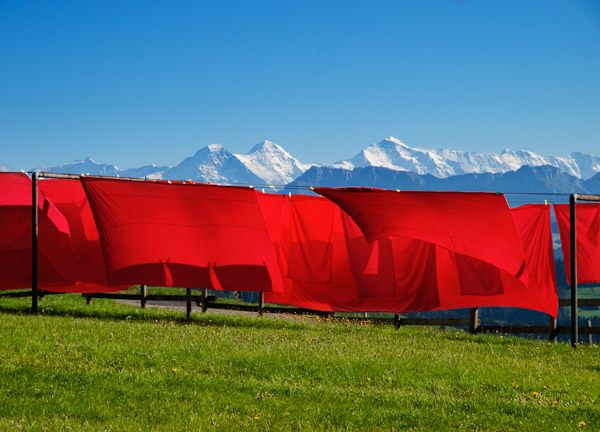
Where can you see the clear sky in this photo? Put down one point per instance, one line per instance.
(138, 82)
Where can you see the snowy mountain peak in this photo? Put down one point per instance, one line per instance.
(272, 163)
(394, 154)
(392, 142)
(85, 166)
(213, 164)
(265, 145)
(215, 147)
(209, 149)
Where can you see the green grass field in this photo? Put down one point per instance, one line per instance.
(113, 367)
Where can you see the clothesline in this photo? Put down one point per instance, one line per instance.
(265, 185)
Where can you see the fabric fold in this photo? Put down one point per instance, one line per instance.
(166, 234)
(588, 240)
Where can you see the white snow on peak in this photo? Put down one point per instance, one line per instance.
(394, 154)
(215, 147)
(272, 163)
(88, 166)
(212, 164)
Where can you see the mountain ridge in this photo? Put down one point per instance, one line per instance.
(268, 163)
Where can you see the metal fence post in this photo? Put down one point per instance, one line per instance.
(34, 242)
(204, 295)
(551, 328)
(261, 303)
(143, 296)
(188, 302)
(573, 238)
(473, 320)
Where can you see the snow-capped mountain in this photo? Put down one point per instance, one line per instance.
(86, 166)
(266, 163)
(543, 179)
(272, 163)
(213, 164)
(269, 164)
(394, 154)
(147, 171)
(589, 165)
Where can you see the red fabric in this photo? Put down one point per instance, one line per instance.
(311, 249)
(533, 224)
(84, 264)
(15, 238)
(477, 225)
(588, 240)
(363, 275)
(400, 274)
(371, 264)
(183, 235)
(301, 289)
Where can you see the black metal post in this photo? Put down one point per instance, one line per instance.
(551, 328)
(188, 302)
(34, 242)
(574, 318)
(473, 320)
(143, 296)
(397, 321)
(261, 303)
(204, 295)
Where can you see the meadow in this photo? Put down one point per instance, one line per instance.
(113, 367)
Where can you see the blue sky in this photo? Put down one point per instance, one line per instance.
(139, 82)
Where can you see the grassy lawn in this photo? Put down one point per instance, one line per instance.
(113, 367)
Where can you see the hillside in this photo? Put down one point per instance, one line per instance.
(113, 367)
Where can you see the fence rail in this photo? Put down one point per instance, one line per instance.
(473, 323)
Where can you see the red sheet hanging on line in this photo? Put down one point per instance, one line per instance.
(533, 224)
(588, 240)
(400, 274)
(371, 264)
(183, 235)
(291, 220)
(463, 282)
(16, 236)
(84, 264)
(311, 243)
(476, 225)
(362, 273)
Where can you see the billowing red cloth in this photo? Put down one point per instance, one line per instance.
(311, 243)
(15, 238)
(300, 287)
(183, 235)
(84, 265)
(363, 275)
(477, 225)
(533, 224)
(588, 240)
(401, 274)
(371, 264)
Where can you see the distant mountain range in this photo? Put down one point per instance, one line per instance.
(527, 179)
(387, 164)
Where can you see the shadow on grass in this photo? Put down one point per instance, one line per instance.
(107, 310)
